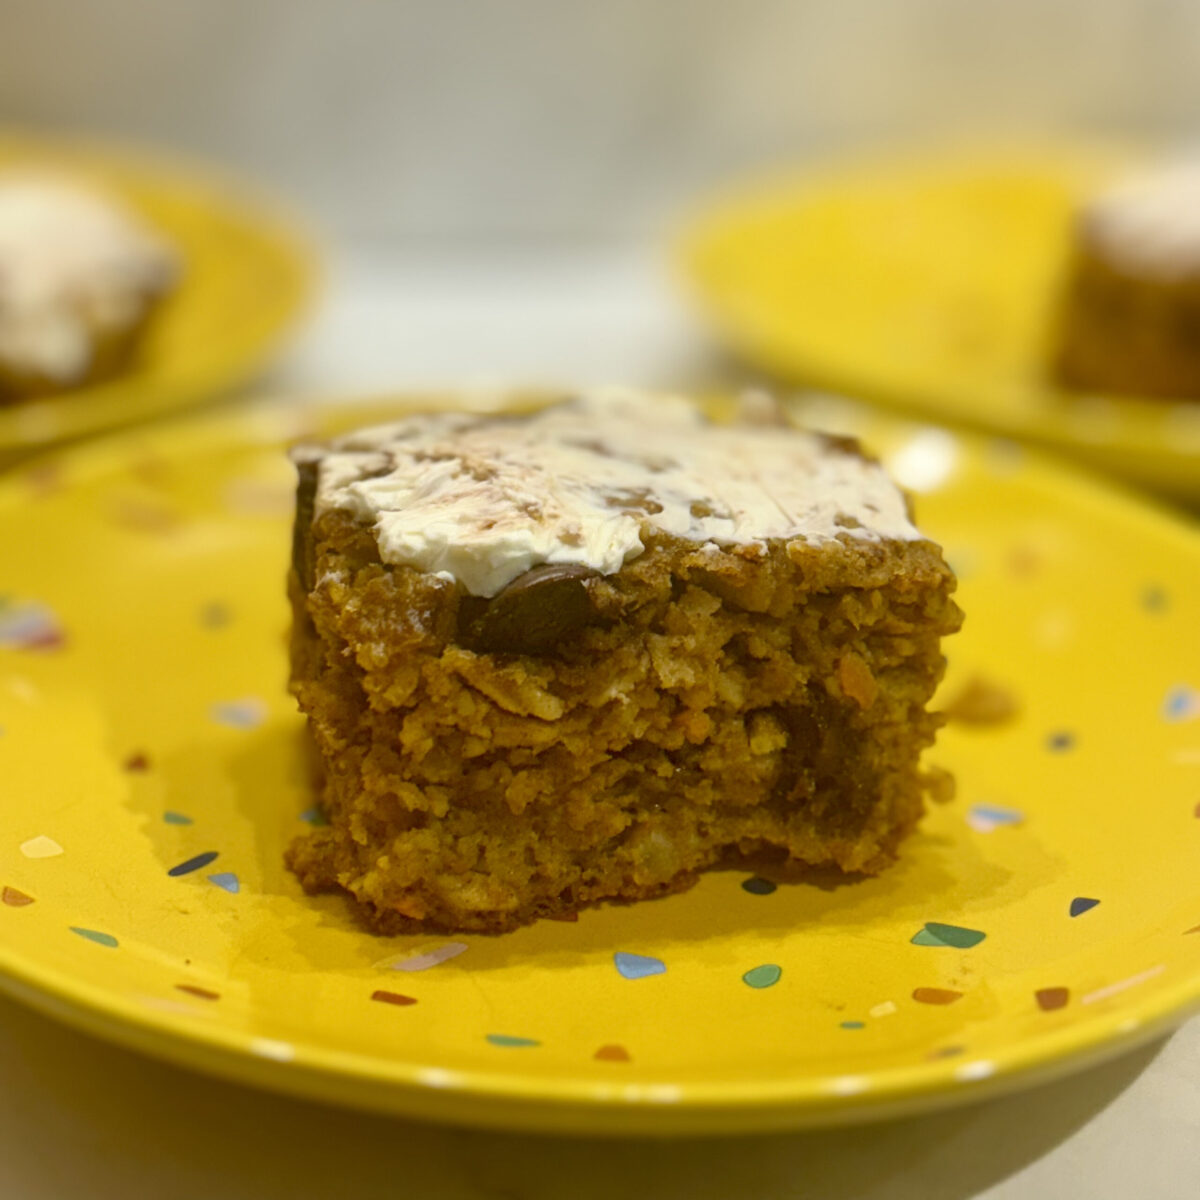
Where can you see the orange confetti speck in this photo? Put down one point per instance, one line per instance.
(932, 995)
(193, 990)
(1050, 998)
(17, 899)
(612, 1054)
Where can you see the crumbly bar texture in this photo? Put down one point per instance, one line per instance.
(1130, 314)
(581, 735)
(80, 282)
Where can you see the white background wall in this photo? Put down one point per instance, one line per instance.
(464, 119)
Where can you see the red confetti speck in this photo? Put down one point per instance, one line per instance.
(612, 1054)
(1049, 999)
(932, 995)
(46, 639)
(137, 762)
(30, 626)
(193, 990)
(15, 898)
(392, 997)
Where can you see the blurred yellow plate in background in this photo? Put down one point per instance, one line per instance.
(930, 283)
(246, 275)
(153, 774)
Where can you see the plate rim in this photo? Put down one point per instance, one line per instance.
(511, 1101)
(800, 364)
(507, 1099)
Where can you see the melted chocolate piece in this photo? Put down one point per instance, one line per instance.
(535, 614)
(306, 494)
(843, 443)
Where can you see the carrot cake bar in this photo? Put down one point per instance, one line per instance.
(582, 655)
(1130, 321)
(79, 280)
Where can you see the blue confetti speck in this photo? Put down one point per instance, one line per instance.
(1060, 741)
(984, 818)
(227, 880)
(509, 1042)
(1082, 904)
(176, 818)
(854, 1025)
(193, 864)
(638, 966)
(314, 816)
(1182, 703)
(240, 714)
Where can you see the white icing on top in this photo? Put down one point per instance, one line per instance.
(481, 499)
(73, 264)
(1151, 222)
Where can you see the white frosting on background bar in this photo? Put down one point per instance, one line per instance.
(1151, 222)
(483, 499)
(72, 262)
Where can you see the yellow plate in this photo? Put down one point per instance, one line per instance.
(247, 273)
(929, 283)
(153, 774)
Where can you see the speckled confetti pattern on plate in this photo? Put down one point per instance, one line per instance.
(152, 761)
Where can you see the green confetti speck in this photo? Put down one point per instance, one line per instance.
(94, 935)
(936, 934)
(764, 976)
